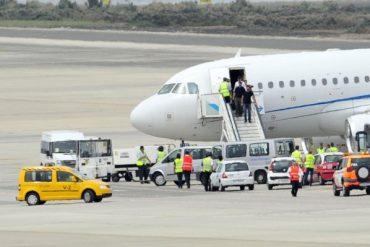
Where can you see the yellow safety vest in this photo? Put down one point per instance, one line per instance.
(178, 165)
(224, 89)
(310, 161)
(320, 150)
(160, 156)
(207, 164)
(333, 149)
(297, 156)
(142, 161)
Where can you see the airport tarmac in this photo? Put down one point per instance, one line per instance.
(92, 85)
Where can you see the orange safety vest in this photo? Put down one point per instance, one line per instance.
(294, 173)
(187, 164)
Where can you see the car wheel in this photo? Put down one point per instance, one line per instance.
(270, 186)
(32, 199)
(115, 178)
(251, 187)
(98, 199)
(321, 180)
(368, 190)
(159, 179)
(345, 191)
(88, 196)
(242, 187)
(261, 177)
(335, 190)
(128, 177)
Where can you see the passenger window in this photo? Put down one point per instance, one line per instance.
(283, 148)
(236, 150)
(357, 79)
(260, 85)
(172, 156)
(179, 89)
(313, 82)
(281, 84)
(64, 176)
(44, 147)
(166, 88)
(324, 82)
(335, 81)
(193, 88)
(291, 83)
(345, 80)
(367, 78)
(303, 83)
(270, 84)
(259, 149)
(38, 176)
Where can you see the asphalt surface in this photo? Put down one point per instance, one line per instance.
(48, 84)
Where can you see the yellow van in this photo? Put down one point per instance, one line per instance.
(40, 184)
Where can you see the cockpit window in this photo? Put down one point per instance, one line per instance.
(193, 88)
(179, 89)
(166, 88)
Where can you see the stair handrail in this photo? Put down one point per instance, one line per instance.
(258, 120)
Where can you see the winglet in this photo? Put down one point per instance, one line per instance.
(238, 52)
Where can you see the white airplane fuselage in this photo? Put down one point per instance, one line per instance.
(306, 94)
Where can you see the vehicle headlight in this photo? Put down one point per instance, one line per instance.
(104, 187)
(59, 162)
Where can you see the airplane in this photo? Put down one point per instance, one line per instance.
(306, 94)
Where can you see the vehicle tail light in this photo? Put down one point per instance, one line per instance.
(350, 169)
(224, 175)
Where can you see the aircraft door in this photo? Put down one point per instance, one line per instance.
(216, 77)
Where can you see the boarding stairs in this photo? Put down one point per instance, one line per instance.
(213, 108)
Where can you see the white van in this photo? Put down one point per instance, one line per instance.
(258, 153)
(163, 171)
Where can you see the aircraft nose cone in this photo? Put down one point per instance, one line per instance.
(138, 118)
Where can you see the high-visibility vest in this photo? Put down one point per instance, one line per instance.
(160, 156)
(142, 161)
(187, 163)
(178, 165)
(224, 89)
(207, 164)
(333, 149)
(320, 150)
(310, 161)
(297, 156)
(294, 173)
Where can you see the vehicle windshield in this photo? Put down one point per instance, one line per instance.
(236, 167)
(332, 158)
(281, 165)
(95, 148)
(66, 147)
(166, 88)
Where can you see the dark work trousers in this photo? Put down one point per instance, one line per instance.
(206, 180)
(143, 173)
(227, 99)
(187, 178)
(247, 112)
(238, 107)
(179, 179)
(295, 187)
(308, 171)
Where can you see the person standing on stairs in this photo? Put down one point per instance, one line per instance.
(239, 91)
(247, 102)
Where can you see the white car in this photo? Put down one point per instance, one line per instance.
(232, 173)
(278, 172)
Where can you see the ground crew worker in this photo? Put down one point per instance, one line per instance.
(142, 163)
(295, 174)
(207, 164)
(219, 161)
(328, 149)
(309, 164)
(321, 149)
(297, 155)
(333, 148)
(187, 167)
(160, 154)
(224, 89)
(178, 170)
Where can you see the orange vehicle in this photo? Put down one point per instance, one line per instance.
(353, 172)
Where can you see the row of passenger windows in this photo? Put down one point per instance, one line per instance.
(179, 88)
(314, 82)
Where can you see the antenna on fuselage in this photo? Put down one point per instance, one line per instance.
(238, 52)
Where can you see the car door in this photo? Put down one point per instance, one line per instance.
(338, 174)
(215, 176)
(67, 186)
(168, 166)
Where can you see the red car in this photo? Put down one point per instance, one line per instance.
(325, 166)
